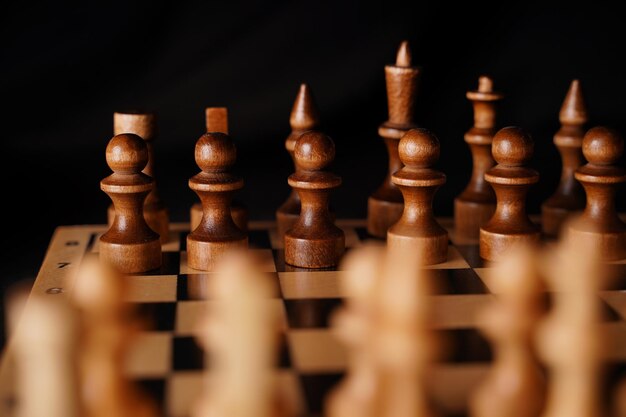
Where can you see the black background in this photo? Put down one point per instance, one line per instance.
(66, 68)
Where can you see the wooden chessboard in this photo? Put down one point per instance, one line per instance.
(167, 361)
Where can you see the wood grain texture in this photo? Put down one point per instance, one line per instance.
(476, 204)
(314, 241)
(417, 231)
(129, 245)
(304, 117)
(217, 233)
(384, 206)
(569, 196)
(512, 148)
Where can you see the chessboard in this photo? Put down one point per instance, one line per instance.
(167, 361)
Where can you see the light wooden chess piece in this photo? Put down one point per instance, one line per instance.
(384, 207)
(476, 204)
(129, 245)
(600, 224)
(154, 210)
(217, 233)
(569, 196)
(417, 230)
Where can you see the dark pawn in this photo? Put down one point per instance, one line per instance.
(314, 241)
(510, 226)
(130, 246)
(600, 178)
(217, 233)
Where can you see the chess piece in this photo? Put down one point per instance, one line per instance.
(384, 207)
(216, 119)
(509, 226)
(417, 229)
(600, 177)
(569, 196)
(515, 384)
(314, 241)
(45, 348)
(129, 245)
(154, 210)
(476, 204)
(217, 233)
(304, 116)
(99, 294)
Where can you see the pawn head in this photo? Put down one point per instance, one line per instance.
(215, 152)
(602, 146)
(512, 146)
(314, 151)
(127, 153)
(419, 148)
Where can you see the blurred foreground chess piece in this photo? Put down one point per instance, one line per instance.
(600, 224)
(129, 245)
(216, 120)
(304, 117)
(417, 230)
(512, 148)
(154, 210)
(314, 241)
(384, 206)
(569, 196)
(476, 204)
(217, 233)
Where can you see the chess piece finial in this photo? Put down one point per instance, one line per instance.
(314, 241)
(600, 178)
(304, 117)
(417, 229)
(129, 245)
(385, 205)
(569, 196)
(217, 233)
(512, 148)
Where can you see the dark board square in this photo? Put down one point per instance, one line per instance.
(310, 312)
(259, 239)
(154, 389)
(196, 286)
(617, 278)
(182, 238)
(316, 389)
(457, 281)
(471, 254)
(187, 355)
(170, 265)
(464, 345)
(284, 357)
(156, 316)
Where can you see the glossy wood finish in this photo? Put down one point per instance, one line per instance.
(129, 245)
(314, 241)
(385, 205)
(569, 197)
(601, 177)
(304, 116)
(216, 120)
(476, 204)
(154, 209)
(217, 233)
(417, 231)
(512, 148)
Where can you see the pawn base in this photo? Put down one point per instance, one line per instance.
(157, 219)
(610, 246)
(470, 216)
(132, 258)
(314, 253)
(381, 215)
(238, 212)
(495, 246)
(431, 249)
(204, 256)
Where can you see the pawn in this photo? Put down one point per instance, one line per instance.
(217, 233)
(417, 229)
(314, 241)
(600, 178)
(130, 246)
(512, 148)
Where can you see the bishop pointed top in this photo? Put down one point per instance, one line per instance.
(304, 114)
(403, 58)
(573, 111)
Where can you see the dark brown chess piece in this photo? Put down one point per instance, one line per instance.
(569, 197)
(384, 207)
(476, 204)
(217, 233)
(304, 116)
(314, 241)
(601, 177)
(154, 209)
(130, 245)
(512, 148)
(417, 231)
